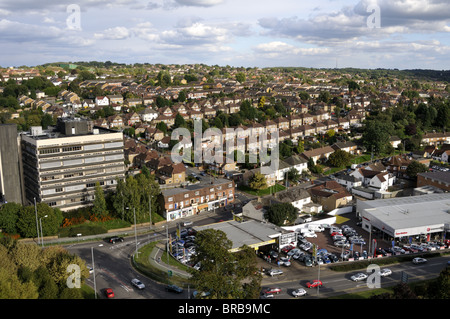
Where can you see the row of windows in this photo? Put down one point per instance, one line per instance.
(79, 148)
(198, 192)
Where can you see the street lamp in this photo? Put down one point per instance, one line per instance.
(135, 227)
(42, 234)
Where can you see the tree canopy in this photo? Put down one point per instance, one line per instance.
(224, 274)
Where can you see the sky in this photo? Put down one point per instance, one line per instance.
(402, 34)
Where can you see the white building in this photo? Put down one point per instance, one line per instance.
(406, 216)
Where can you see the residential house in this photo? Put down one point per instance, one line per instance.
(318, 154)
(382, 181)
(282, 123)
(398, 164)
(297, 162)
(153, 134)
(172, 174)
(347, 180)
(131, 119)
(101, 101)
(298, 196)
(148, 114)
(349, 147)
(115, 121)
(269, 174)
(330, 195)
(115, 99)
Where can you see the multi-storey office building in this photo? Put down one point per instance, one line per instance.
(187, 201)
(61, 167)
(10, 180)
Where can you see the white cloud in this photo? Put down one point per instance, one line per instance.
(116, 33)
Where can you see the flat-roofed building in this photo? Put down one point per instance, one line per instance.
(186, 201)
(406, 216)
(62, 166)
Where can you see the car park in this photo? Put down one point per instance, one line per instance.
(313, 284)
(299, 292)
(359, 276)
(419, 260)
(137, 283)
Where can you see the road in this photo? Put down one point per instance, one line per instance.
(338, 283)
(112, 263)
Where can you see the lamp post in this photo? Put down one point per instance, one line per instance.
(42, 234)
(93, 272)
(37, 225)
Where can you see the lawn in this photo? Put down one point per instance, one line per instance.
(262, 192)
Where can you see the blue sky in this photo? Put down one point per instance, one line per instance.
(405, 34)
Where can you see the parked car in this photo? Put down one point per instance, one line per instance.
(299, 292)
(333, 258)
(285, 261)
(419, 260)
(274, 272)
(385, 272)
(307, 261)
(342, 243)
(109, 293)
(359, 276)
(292, 252)
(273, 254)
(314, 283)
(310, 235)
(137, 283)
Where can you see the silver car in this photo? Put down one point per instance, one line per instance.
(359, 276)
(137, 283)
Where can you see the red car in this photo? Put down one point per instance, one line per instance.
(314, 283)
(109, 293)
(272, 291)
(336, 233)
(287, 248)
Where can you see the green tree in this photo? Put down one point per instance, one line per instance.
(282, 213)
(99, 208)
(258, 182)
(294, 175)
(414, 168)
(225, 275)
(9, 214)
(339, 158)
(240, 77)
